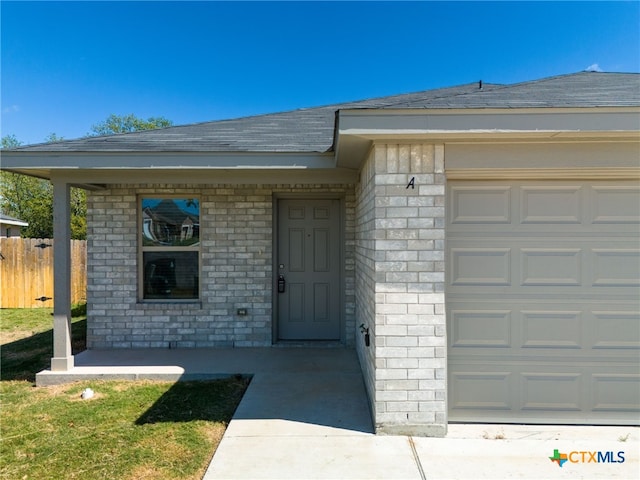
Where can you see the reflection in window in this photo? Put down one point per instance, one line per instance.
(170, 248)
(170, 221)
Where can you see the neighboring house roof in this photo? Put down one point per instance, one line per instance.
(312, 129)
(168, 212)
(8, 220)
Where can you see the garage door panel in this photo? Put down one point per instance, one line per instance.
(543, 301)
(481, 390)
(609, 265)
(551, 204)
(552, 329)
(481, 328)
(616, 392)
(581, 331)
(480, 205)
(527, 206)
(615, 204)
(478, 329)
(545, 392)
(550, 266)
(615, 329)
(616, 267)
(555, 391)
(480, 266)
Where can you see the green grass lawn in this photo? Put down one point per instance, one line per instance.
(128, 430)
(26, 339)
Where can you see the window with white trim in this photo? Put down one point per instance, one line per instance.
(170, 248)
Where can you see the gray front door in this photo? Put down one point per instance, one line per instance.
(309, 263)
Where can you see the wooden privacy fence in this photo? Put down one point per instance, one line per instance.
(26, 272)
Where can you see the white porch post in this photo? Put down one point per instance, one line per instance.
(62, 358)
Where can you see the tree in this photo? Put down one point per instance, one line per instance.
(53, 137)
(127, 123)
(31, 199)
(78, 214)
(10, 141)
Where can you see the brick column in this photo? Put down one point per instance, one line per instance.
(410, 322)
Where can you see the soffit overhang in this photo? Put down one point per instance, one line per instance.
(93, 169)
(358, 130)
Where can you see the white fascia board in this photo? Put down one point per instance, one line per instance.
(411, 122)
(25, 160)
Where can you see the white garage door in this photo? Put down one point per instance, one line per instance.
(543, 301)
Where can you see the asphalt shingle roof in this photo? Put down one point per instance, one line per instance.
(312, 129)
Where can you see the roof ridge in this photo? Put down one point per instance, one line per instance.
(558, 76)
(331, 105)
(482, 85)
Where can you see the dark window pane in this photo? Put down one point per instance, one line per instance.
(170, 221)
(171, 275)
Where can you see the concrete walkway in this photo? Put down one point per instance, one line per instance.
(313, 422)
(305, 415)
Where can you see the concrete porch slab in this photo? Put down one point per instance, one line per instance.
(200, 363)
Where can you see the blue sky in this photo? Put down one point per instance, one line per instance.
(68, 65)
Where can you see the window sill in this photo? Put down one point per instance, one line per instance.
(167, 304)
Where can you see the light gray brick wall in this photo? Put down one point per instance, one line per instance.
(401, 246)
(236, 268)
(366, 276)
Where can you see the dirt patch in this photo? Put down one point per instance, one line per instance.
(15, 335)
(213, 433)
(145, 472)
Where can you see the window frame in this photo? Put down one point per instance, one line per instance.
(142, 249)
